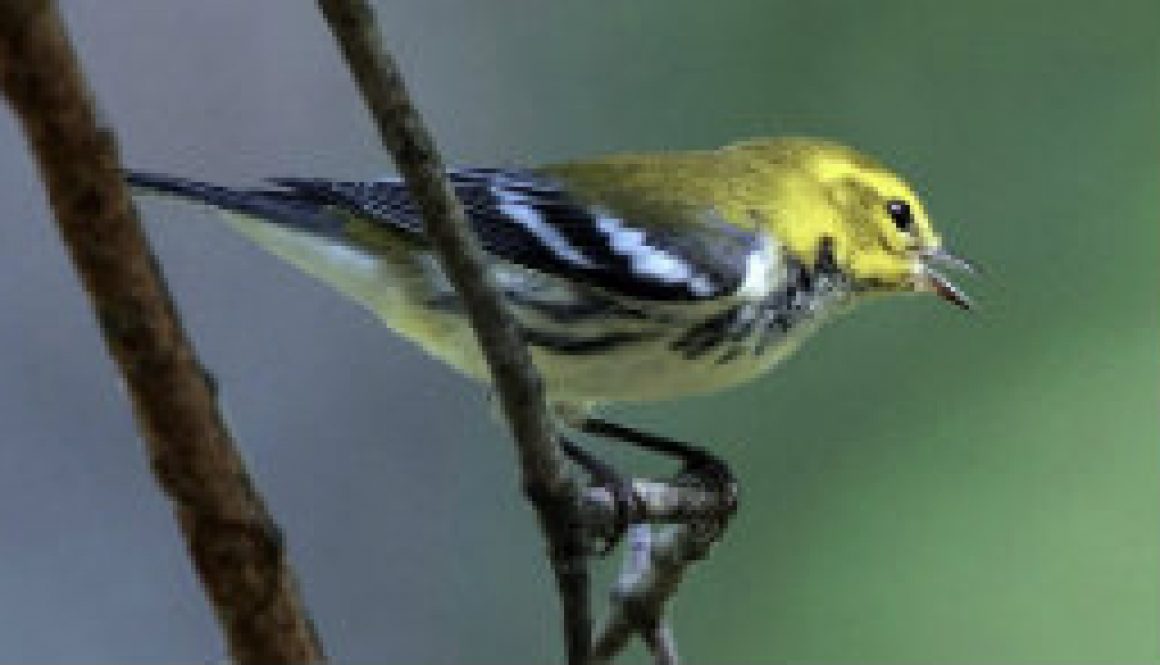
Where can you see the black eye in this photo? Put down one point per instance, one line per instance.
(899, 211)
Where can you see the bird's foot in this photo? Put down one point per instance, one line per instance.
(625, 501)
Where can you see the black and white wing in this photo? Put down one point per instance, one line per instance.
(519, 216)
(528, 219)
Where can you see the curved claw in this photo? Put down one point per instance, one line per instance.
(712, 472)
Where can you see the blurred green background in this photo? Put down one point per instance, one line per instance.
(919, 485)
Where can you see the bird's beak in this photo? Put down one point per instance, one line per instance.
(932, 278)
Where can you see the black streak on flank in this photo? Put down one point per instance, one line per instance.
(804, 280)
(445, 303)
(826, 262)
(698, 339)
(558, 312)
(784, 309)
(731, 354)
(576, 311)
(764, 338)
(579, 346)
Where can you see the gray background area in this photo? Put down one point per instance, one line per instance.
(919, 485)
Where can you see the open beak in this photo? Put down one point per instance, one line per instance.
(933, 279)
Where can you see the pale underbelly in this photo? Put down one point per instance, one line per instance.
(647, 370)
(398, 287)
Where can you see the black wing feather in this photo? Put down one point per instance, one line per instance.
(527, 219)
(519, 216)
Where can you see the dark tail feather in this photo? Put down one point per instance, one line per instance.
(281, 207)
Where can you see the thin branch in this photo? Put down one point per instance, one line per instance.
(653, 569)
(660, 641)
(656, 503)
(545, 479)
(234, 543)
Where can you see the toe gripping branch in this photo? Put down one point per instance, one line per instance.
(704, 489)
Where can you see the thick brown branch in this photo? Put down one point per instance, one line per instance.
(544, 475)
(232, 539)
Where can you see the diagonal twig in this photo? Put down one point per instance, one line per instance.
(233, 542)
(653, 568)
(545, 480)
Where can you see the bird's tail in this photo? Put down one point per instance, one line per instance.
(285, 208)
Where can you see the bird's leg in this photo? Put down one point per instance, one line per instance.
(700, 466)
(699, 463)
(602, 474)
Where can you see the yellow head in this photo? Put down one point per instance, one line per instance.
(827, 202)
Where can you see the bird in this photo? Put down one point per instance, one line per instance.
(632, 277)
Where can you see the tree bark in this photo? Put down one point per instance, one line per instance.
(234, 543)
(544, 474)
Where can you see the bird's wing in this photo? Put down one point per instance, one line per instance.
(531, 218)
